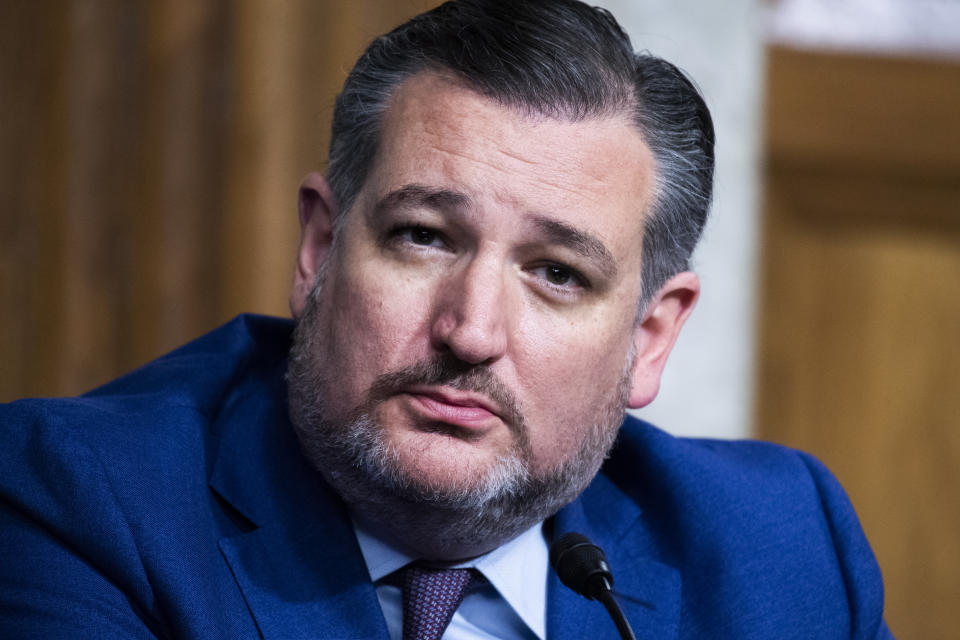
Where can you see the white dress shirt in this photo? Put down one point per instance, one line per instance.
(512, 603)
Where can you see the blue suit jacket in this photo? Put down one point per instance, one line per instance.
(175, 502)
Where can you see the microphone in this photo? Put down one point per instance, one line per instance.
(582, 566)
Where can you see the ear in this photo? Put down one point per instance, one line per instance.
(317, 213)
(657, 332)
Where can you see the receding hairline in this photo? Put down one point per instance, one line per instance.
(444, 77)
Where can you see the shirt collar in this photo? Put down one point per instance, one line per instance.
(517, 569)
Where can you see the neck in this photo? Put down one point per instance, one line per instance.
(437, 534)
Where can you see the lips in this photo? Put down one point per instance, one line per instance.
(453, 407)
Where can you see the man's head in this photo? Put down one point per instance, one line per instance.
(468, 281)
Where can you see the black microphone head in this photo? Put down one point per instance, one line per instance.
(580, 564)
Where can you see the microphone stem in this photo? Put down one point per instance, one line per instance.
(606, 597)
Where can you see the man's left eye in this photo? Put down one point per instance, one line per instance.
(559, 276)
(423, 236)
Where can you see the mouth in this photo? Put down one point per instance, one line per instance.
(470, 411)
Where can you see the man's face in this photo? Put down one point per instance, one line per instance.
(479, 311)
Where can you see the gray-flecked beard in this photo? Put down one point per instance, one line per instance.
(438, 522)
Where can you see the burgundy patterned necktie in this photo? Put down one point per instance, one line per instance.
(430, 596)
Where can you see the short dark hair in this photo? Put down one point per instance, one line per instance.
(559, 58)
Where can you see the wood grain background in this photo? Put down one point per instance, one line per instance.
(859, 352)
(150, 154)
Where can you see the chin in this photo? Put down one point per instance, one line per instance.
(436, 494)
(450, 470)
(446, 492)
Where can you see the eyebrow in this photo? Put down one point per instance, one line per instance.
(418, 195)
(578, 241)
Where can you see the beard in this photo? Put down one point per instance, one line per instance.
(438, 520)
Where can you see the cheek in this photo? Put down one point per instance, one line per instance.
(570, 377)
(378, 321)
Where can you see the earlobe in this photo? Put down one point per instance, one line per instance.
(317, 214)
(657, 333)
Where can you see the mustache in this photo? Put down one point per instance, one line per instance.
(448, 370)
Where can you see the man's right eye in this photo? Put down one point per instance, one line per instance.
(417, 235)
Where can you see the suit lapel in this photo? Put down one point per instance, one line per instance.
(648, 591)
(305, 583)
(300, 569)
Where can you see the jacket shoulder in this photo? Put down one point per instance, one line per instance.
(152, 406)
(197, 373)
(105, 503)
(155, 419)
(754, 474)
(766, 524)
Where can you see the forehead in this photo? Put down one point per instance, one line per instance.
(596, 173)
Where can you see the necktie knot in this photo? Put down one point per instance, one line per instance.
(430, 597)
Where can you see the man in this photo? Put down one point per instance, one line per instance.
(492, 270)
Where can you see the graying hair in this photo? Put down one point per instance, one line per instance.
(558, 58)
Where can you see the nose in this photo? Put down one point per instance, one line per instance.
(470, 316)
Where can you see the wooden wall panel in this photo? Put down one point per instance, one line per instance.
(859, 352)
(877, 114)
(32, 126)
(100, 174)
(176, 211)
(150, 154)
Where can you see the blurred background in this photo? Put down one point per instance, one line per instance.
(150, 154)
